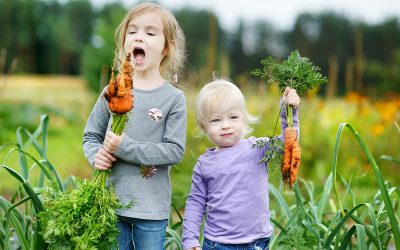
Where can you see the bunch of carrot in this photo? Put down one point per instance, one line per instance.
(119, 95)
(300, 74)
(85, 217)
(121, 100)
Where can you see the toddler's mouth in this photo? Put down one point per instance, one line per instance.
(227, 135)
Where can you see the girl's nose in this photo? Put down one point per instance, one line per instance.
(138, 37)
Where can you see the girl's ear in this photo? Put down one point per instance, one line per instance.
(167, 49)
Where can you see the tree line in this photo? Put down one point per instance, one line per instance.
(75, 37)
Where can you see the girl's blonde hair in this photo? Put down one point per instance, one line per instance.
(173, 61)
(214, 94)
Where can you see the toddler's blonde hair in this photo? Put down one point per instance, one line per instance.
(214, 94)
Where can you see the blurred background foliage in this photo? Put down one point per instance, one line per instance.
(76, 38)
(56, 55)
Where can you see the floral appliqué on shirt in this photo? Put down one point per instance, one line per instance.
(147, 171)
(155, 114)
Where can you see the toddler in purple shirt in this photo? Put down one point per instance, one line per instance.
(229, 185)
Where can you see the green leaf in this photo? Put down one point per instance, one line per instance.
(277, 194)
(389, 158)
(13, 219)
(295, 72)
(381, 183)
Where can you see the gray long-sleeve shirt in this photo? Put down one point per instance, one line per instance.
(155, 135)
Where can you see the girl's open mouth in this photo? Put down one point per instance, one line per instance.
(139, 55)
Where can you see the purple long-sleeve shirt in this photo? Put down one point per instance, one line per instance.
(230, 187)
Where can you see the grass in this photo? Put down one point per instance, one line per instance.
(68, 92)
(68, 104)
(311, 221)
(65, 99)
(364, 207)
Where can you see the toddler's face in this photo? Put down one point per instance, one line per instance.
(225, 126)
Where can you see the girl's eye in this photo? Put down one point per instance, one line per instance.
(132, 32)
(151, 34)
(234, 117)
(215, 120)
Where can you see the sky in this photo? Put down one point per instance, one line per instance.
(282, 13)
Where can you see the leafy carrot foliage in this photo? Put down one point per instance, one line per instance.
(83, 218)
(296, 72)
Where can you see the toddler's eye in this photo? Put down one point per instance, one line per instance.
(215, 120)
(234, 117)
(151, 34)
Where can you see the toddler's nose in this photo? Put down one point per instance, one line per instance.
(226, 125)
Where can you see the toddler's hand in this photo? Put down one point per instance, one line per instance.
(103, 159)
(291, 97)
(112, 141)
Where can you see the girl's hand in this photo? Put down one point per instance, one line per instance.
(291, 97)
(103, 160)
(112, 141)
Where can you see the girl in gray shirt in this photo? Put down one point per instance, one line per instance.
(155, 134)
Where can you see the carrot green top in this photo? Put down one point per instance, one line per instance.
(296, 72)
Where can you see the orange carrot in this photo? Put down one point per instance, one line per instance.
(111, 88)
(295, 162)
(119, 90)
(289, 156)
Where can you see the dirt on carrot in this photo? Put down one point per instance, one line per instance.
(295, 162)
(291, 156)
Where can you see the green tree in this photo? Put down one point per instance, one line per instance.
(324, 36)
(18, 32)
(72, 34)
(98, 55)
(305, 32)
(266, 38)
(196, 26)
(45, 36)
(237, 53)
